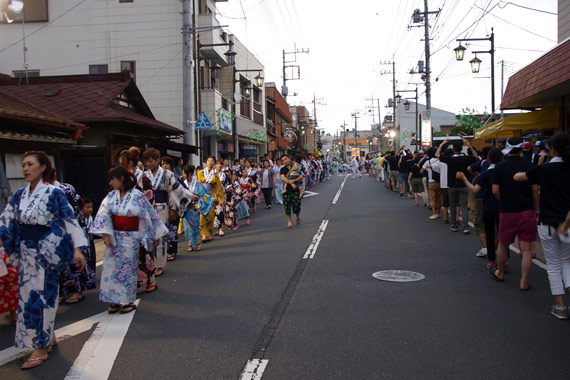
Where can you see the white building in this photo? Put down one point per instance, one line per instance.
(141, 36)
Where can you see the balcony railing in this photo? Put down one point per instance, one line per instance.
(257, 117)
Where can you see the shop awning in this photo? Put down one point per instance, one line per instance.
(547, 118)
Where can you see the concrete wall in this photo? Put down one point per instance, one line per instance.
(563, 20)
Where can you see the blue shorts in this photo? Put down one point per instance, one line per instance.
(402, 178)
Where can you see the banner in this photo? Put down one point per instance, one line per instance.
(355, 152)
(426, 129)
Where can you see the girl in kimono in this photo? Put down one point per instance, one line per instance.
(41, 236)
(213, 185)
(254, 195)
(8, 287)
(221, 206)
(173, 218)
(126, 220)
(234, 202)
(248, 186)
(203, 207)
(168, 193)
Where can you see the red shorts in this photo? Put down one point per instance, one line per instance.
(521, 223)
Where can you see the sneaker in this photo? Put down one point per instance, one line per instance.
(466, 231)
(482, 252)
(453, 229)
(401, 194)
(559, 312)
(434, 217)
(492, 264)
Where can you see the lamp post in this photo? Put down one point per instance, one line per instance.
(407, 108)
(476, 62)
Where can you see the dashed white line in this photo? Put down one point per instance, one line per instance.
(339, 191)
(254, 369)
(310, 253)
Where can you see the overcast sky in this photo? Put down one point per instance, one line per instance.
(349, 40)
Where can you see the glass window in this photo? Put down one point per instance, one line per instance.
(131, 67)
(98, 69)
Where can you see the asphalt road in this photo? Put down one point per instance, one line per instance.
(251, 295)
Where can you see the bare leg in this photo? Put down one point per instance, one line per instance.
(501, 260)
(526, 249)
(288, 220)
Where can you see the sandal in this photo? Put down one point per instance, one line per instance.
(525, 289)
(189, 249)
(52, 345)
(35, 362)
(74, 299)
(198, 248)
(158, 272)
(297, 220)
(170, 258)
(128, 308)
(493, 272)
(114, 308)
(151, 288)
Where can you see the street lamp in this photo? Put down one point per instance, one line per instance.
(476, 62)
(475, 65)
(407, 105)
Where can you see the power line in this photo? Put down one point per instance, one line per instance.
(522, 6)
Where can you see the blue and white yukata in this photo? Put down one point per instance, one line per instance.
(191, 220)
(121, 262)
(39, 232)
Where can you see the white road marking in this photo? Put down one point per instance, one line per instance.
(310, 253)
(308, 193)
(98, 354)
(339, 190)
(12, 353)
(254, 369)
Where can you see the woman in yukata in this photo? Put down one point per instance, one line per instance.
(211, 182)
(225, 181)
(235, 204)
(126, 220)
(203, 207)
(168, 193)
(41, 235)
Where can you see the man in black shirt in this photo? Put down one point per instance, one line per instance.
(517, 209)
(393, 174)
(291, 200)
(458, 193)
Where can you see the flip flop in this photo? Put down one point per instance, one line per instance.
(525, 289)
(113, 308)
(130, 307)
(35, 362)
(151, 288)
(492, 271)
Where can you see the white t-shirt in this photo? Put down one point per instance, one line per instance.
(441, 168)
(429, 162)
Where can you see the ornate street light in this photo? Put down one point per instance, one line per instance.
(459, 52)
(475, 64)
(407, 105)
(259, 80)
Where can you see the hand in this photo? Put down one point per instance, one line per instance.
(562, 229)
(445, 141)
(460, 175)
(108, 240)
(195, 197)
(78, 259)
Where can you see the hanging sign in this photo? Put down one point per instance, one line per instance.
(426, 129)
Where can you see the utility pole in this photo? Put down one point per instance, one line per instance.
(393, 72)
(315, 99)
(372, 99)
(188, 79)
(355, 116)
(502, 85)
(284, 89)
(344, 137)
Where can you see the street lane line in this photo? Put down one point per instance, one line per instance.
(310, 253)
(9, 354)
(339, 191)
(254, 369)
(308, 193)
(96, 359)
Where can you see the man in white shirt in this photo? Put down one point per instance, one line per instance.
(441, 168)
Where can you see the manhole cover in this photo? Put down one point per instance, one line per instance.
(398, 276)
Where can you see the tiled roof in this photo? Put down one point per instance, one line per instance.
(87, 98)
(17, 109)
(548, 71)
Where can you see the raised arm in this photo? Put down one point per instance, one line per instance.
(440, 147)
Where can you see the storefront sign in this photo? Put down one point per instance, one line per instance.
(426, 129)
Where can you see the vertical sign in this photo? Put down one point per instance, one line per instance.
(426, 129)
(356, 152)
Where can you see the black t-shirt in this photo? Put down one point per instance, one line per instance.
(406, 165)
(284, 170)
(457, 163)
(415, 170)
(393, 161)
(490, 202)
(554, 181)
(515, 196)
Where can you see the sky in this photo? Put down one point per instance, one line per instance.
(350, 42)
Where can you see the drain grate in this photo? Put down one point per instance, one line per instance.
(398, 276)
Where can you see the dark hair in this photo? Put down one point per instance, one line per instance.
(447, 152)
(43, 159)
(298, 158)
(189, 169)
(236, 160)
(118, 172)
(284, 155)
(219, 161)
(87, 201)
(151, 153)
(495, 155)
(431, 152)
(561, 143)
(134, 154)
(212, 157)
(169, 160)
(485, 151)
(457, 146)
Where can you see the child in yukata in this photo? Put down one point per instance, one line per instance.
(294, 173)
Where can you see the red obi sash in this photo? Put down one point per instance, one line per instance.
(125, 223)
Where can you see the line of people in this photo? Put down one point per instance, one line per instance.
(511, 195)
(47, 249)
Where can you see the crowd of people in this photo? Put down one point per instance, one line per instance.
(511, 195)
(47, 230)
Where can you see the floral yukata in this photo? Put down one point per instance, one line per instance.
(191, 220)
(39, 231)
(213, 185)
(8, 284)
(131, 222)
(220, 211)
(168, 193)
(236, 207)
